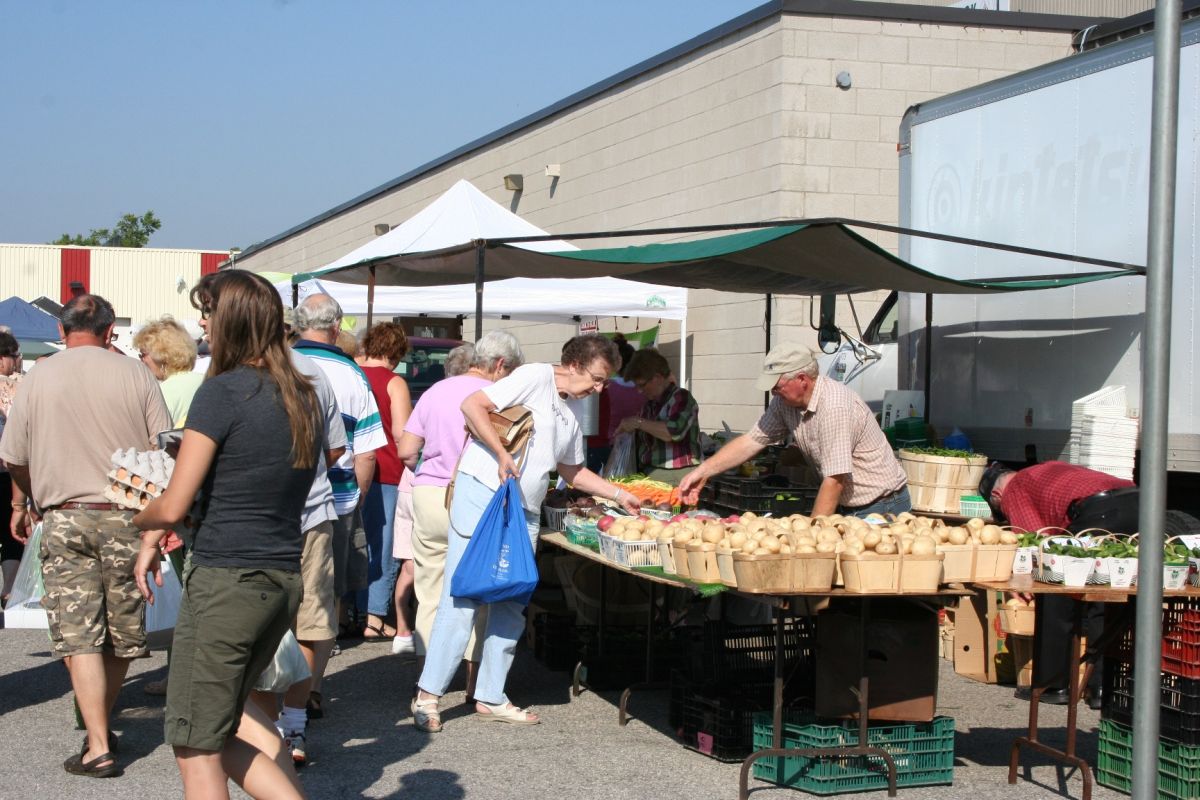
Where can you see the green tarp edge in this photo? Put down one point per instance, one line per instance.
(699, 250)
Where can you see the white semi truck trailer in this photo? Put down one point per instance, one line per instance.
(1055, 158)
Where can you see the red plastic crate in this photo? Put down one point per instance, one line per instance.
(1180, 639)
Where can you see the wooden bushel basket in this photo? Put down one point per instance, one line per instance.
(936, 483)
(667, 554)
(813, 571)
(763, 574)
(875, 574)
(679, 558)
(994, 562)
(725, 567)
(702, 562)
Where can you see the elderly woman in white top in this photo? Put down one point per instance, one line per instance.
(587, 364)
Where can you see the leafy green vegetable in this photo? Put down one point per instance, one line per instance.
(1117, 548)
(1176, 553)
(1068, 549)
(943, 452)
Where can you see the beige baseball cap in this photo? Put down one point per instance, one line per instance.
(784, 358)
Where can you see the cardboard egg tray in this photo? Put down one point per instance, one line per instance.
(138, 477)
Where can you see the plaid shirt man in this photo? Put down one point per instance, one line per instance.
(680, 411)
(838, 435)
(1039, 496)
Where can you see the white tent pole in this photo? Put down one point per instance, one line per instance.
(683, 353)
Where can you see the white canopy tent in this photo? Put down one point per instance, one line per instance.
(462, 215)
(548, 300)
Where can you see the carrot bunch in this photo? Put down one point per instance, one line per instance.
(654, 492)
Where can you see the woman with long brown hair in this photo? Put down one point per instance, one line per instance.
(250, 449)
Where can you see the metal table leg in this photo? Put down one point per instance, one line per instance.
(1075, 685)
(578, 682)
(860, 749)
(647, 681)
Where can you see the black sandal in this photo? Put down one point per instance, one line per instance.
(96, 768)
(312, 708)
(379, 635)
(114, 744)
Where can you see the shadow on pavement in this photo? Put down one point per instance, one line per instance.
(373, 696)
(33, 686)
(990, 747)
(429, 784)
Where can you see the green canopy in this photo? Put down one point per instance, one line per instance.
(807, 258)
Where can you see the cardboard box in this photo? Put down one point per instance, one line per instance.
(901, 659)
(980, 652)
(1021, 648)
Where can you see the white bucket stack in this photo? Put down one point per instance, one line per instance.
(1103, 435)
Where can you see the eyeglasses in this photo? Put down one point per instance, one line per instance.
(600, 381)
(781, 383)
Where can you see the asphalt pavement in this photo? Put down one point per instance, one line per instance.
(366, 746)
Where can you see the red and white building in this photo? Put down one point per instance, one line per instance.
(141, 283)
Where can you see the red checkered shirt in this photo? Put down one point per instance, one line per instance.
(1039, 496)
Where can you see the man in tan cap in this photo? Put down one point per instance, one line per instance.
(831, 425)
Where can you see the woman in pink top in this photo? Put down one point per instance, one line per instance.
(436, 433)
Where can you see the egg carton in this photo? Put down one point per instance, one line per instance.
(137, 477)
(127, 497)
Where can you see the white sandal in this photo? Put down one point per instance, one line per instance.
(507, 712)
(426, 715)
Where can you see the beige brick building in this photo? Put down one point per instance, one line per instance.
(746, 122)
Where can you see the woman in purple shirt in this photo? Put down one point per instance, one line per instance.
(436, 431)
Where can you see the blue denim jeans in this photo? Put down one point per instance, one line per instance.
(456, 615)
(379, 515)
(895, 504)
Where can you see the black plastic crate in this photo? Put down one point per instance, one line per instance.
(772, 494)
(1179, 710)
(731, 489)
(619, 659)
(744, 655)
(556, 642)
(713, 720)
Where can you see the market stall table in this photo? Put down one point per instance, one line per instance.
(781, 603)
(1025, 584)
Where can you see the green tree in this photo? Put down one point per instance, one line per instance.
(130, 231)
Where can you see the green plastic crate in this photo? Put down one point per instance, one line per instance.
(584, 534)
(923, 754)
(1178, 764)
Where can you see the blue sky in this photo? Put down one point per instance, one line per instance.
(236, 120)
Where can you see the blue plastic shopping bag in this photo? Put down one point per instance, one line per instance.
(498, 563)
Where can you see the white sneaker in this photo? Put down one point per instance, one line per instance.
(296, 742)
(404, 646)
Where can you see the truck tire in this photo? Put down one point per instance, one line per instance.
(1179, 523)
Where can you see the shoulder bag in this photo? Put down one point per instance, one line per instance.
(514, 426)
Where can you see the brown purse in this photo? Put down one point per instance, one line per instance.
(514, 426)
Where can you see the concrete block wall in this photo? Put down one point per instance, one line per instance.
(748, 127)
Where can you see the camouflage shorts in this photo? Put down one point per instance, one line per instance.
(92, 602)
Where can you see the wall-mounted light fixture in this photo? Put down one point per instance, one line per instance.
(381, 228)
(843, 80)
(554, 170)
(514, 182)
